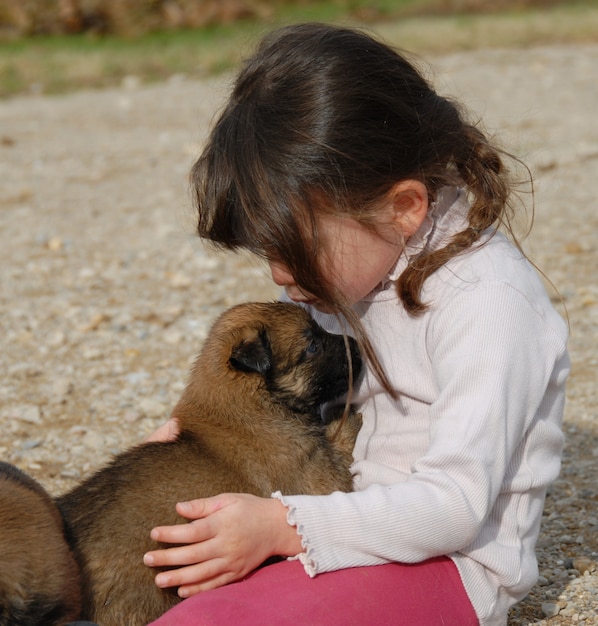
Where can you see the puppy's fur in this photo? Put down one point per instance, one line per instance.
(39, 578)
(249, 421)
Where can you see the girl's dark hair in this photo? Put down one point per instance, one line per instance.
(323, 118)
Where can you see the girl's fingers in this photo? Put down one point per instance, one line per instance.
(194, 578)
(180, 533)
(193, 510)
(182, 555)
(202, 507)
(166, 432)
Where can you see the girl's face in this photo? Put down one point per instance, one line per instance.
(356, 258)
(353, 258)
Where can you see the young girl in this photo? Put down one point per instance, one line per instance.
(376, 206)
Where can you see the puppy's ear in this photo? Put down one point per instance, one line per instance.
(252, 355)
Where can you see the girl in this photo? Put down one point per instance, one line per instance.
(376, 206)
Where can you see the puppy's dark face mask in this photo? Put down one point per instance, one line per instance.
(302, 365)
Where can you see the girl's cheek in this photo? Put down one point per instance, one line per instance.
(280, 275)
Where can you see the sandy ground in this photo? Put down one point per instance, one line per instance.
(106, 295)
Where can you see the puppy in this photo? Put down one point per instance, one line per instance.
(249, 422)
(39, 578)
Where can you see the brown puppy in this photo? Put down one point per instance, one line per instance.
(39, 579)
(249, 421)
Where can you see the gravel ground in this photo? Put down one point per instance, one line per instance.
(106, 295)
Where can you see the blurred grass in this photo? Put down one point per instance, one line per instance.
(45, 64)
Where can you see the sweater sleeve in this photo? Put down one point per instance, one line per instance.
(499, 366)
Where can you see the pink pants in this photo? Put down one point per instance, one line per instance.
(424, 594)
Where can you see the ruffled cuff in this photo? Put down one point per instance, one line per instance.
(306, 558)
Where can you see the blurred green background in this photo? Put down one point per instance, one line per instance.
(51, 46)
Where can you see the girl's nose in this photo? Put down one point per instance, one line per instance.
(281, 275)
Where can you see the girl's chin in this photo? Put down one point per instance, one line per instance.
(320, 306)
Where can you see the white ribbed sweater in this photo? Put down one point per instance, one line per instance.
(459, 464)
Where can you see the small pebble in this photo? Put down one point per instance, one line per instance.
(180, 281)
(550, 609)
(26, 413)
(61, 388)
(93, 440)
(29, 444)
(583, 564)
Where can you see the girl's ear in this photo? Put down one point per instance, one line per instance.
(409, 205)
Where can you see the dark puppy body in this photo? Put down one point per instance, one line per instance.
(39, 578)
(249, 421)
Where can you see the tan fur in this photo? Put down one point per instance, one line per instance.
(249, 423)
(39, 579)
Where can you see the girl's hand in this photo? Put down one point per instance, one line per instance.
(230, 535)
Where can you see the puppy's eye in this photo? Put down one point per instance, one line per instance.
(312, 348)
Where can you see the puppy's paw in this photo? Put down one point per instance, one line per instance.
(342, 433)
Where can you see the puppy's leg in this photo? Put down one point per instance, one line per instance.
(342, 433)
